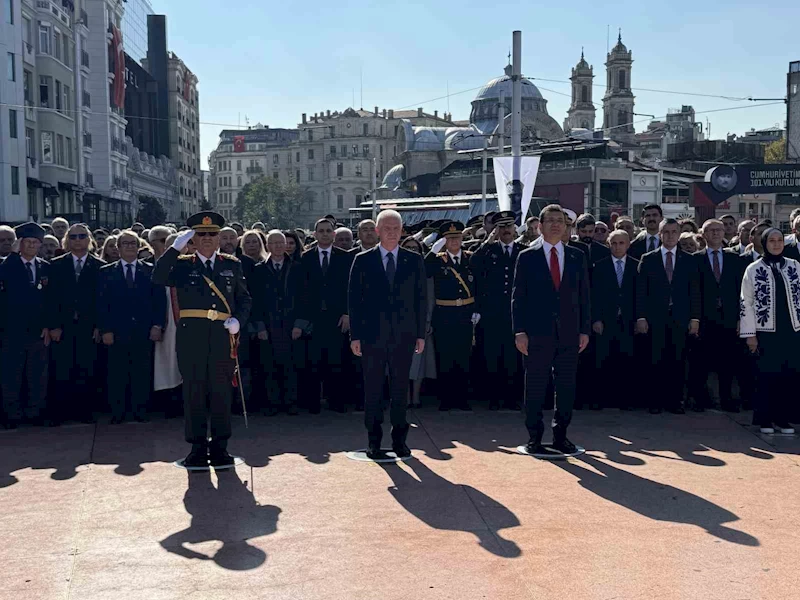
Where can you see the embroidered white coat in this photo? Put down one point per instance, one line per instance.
(758, 297)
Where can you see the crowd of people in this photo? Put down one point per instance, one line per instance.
(88, 325)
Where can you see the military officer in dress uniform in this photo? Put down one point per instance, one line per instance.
(214, 305)
(455, 315)
(25, 336)
(493, 265)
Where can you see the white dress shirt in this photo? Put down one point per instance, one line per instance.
(559, 251)
(453, 256)
(710, 253)
(204, 260)
(125, 267)
(32, 263)
(75, 260)
(507, 248)
(328, 250)
(664, 256)
(384, 253)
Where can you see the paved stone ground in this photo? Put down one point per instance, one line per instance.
(660, 507)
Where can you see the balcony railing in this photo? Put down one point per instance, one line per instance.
(87, 99)
(255, 169)
(87, 140)
(120, 182)
(89, 180)
(119, 145)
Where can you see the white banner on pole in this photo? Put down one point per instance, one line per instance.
(528, 170)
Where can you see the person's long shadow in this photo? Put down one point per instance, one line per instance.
(654, 500)
(228, 513)
(448, 506)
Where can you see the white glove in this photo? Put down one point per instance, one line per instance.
(182, 240)
(431, 238)
(439, 245)
(476, 317)
(232, 325)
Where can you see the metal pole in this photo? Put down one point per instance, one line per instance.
(501, 130)
(374, 178)
(484, 174)
(515, 190)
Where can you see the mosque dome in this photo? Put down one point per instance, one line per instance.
(493, 89)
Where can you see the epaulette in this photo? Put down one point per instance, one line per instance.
(468, 252)
(186, 257)
(228, 257)
(443, 256)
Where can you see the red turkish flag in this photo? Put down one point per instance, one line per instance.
(118, 58)
(238, 143)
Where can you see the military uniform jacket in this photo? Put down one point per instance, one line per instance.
(449, 287)
(23, 306)
(495, 275)
(185, 274)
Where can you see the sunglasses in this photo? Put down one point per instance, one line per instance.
(205, 233)
(78, 236)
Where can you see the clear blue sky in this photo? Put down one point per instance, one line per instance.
(273, 61)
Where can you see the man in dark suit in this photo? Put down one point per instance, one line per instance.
(494, 265)
(73, 326)
(551, 318)
(321, 316)
(585, 226)
(649, 240)
(25, 337)
(614, 309)
(273, 286)
(388, 312)
(131, 315)
(720, 273)
(214, 306)
(755, 239)
(668, 307)
(792, 244)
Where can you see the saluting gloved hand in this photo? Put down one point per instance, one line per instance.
(431, 237)
(182, 240)
(232, 325)
(439, 245)
(476, 317)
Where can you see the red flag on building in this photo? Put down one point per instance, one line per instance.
(238, 143)
(118, 68)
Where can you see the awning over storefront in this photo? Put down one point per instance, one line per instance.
(50, 190)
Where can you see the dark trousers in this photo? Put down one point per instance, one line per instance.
(716, 350)
(392, 357)
(504, 382)
(453, 343)
(204, 359)
(129, 369)
(75, 357)
(24, 361)
(279, 363)
(546, 358)
(615, 361)
(668, 367)
(773, 405)
(325, 364)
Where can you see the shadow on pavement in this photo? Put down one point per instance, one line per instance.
(448, 506)
(654, 500)
(228, 513)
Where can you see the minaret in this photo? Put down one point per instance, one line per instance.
(581, 113)
(618, 101)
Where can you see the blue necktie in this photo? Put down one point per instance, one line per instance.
(620, 273)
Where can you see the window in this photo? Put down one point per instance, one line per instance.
(381, 130)
(67, 51)
(310, 135)
(238, 165)
(358, 169)
(30, 148)
(68, 141)
(58, 95)
(297, 175)
(621, 76)
(297, 157)
(12, 123)
(310, 154)
(355, 149)
(381, 150)
(12, 67)
(44, 38)
(9, 11)
(275, 175)
(311, 173)
(60, 149)
(584, 94)
(239, 180)
(57, 44)
(67, 97)
(275, 159)
(366, 149)
(14, 181)
(340, 201)
(366, 129)
(333, 151)
(44, 91)
(621, 118)
(26, 86)
(340, 169)
(359, 199)
(344, 150)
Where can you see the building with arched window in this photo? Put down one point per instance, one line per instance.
(581, 113)
(619, 99)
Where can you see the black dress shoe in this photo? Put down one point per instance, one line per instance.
(535, 448)
(375, 453)
(220, 458)
(565, 446)
(196, 459)
(401, 450)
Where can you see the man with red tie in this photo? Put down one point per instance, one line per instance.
(551, 317)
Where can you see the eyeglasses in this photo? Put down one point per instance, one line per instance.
(205, 233)
(78, 236)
